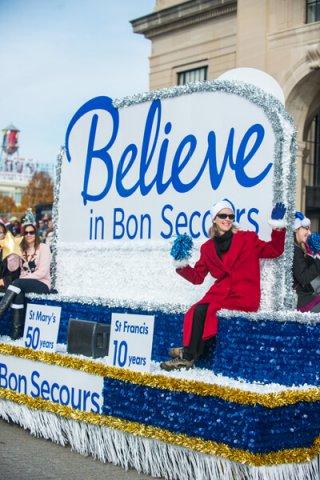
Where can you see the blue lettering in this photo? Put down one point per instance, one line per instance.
(239, 214)
(45, 390)
(35, 375)
(98, 103)
(64, 389)
(86, 395)
(243, 159)
(13, 382)
(251, 220)
(145, 219)
(118, 222)
(162, 187)
(211, 157)
(146, 156)
(169, 234)
(3, 375)
(123, 170)
(192, 232)
(177, 167)
(181, 222)
(22, 385)
(99, 220)
(185, 224)
(76, 403)
(55, 386)
(132, 227)
(94, 400)
(150, 143)
(205, 227)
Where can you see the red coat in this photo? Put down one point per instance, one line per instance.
(237, 274)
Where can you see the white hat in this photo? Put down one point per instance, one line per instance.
(217, 207)
(300, 221)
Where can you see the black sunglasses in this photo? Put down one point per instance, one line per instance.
(29, 232)
(223, 216)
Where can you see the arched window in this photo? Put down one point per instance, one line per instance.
(312, 172)
(313, 142)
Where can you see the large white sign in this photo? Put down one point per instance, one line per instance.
(154, 169)
(68, 387)
(41, 327)
(131, 339)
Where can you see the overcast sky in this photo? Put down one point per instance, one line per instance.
(56, 54)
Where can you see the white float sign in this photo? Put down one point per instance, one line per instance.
(131, 339)
(41, 327)
(65, 386)
(153, 170)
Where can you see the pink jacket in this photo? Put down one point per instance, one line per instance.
(42, 261)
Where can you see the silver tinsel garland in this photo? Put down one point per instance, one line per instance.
(282, 316)
(114, 302)
(55, 216)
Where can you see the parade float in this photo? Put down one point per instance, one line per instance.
(134, 174)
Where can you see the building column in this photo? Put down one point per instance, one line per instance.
(252, 24)
(301, 190)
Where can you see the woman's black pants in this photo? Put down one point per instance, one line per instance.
(197, 345)
(25, 285)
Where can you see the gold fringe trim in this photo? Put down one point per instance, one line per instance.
(296, 455)
(229, 394)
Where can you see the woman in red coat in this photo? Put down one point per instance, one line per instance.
(232, 257)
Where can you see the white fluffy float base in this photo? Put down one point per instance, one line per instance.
(151, 457)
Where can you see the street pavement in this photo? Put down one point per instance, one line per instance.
(24, 457)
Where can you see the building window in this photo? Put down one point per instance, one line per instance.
(313, 159)
(17, 197)
(194, 75)
(313, 11)
(311, 173)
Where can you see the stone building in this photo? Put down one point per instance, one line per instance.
(201, 39)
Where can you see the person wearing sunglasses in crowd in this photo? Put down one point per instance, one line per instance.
(34, 263)
(232, 257)
(306, 267)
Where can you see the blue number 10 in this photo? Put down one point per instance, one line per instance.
(120, 353)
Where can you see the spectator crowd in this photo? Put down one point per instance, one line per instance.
(25, 260)
(44, 227)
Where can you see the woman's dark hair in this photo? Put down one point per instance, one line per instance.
(302, 245)
(24, 245)
(2, 225)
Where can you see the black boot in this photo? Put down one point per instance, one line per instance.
(18, 315)
(6, 300)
